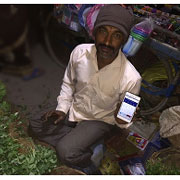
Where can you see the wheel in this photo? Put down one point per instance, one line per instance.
(60, 40)
(154, 95)
(157, 75)
(50, 37)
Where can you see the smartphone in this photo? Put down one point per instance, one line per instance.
(128, 107)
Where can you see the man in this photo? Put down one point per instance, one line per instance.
(94, 83)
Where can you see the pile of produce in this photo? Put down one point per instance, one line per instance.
(18, 153)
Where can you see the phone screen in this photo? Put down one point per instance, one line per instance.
(128, 107)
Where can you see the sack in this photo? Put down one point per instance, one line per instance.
(170, 124)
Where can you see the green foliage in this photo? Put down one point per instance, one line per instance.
(39, 160)
(4, 108)
(16, 157)
(109, 166)
(159, 168)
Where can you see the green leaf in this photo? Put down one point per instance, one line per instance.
(38, 160)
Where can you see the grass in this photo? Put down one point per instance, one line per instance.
(157, 167)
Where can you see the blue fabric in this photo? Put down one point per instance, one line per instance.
(98, 153)
(96, 158)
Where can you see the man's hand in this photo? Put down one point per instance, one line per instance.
(60, 115)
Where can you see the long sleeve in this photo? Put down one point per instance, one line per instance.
(67, 88)
(135, 89)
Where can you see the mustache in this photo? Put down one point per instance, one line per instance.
(104, 46)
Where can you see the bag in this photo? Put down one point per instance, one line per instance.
(170, 125)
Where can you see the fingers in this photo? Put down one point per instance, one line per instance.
(48, 114)
(136, 119)
(56, 115)
(59, 119)
(120, 121)
(137, 113)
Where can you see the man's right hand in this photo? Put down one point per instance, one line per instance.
(60, 115)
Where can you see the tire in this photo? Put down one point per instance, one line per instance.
(48, 42)
(143, 61)
(59, 38)
(159, 101)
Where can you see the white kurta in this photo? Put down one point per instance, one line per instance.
(92, 94)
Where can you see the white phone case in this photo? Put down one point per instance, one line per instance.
(128, 107)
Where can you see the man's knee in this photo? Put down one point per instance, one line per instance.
(72, 156)
(66, 154)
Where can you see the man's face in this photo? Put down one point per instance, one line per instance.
(108, 41)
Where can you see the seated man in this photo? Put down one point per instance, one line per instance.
(94, 83)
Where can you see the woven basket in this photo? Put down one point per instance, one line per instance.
(170, 157)
(64, 170)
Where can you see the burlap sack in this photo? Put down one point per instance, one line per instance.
(170, 124)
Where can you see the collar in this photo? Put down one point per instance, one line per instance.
(91, 53)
